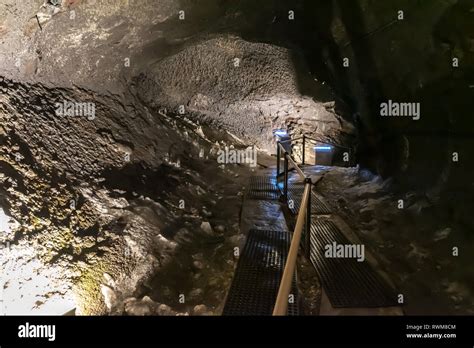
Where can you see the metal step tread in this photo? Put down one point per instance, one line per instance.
(348, 283)
(263, 188)
(295, 194)
(254, 288)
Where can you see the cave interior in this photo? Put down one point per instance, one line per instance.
(120, 191)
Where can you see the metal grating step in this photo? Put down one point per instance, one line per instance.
(295, 193)
(257, 278)
(263, 187)
(347, 282)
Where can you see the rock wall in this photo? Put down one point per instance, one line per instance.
(240, 66)
(97, 200)
(250, 89)
(403, 51)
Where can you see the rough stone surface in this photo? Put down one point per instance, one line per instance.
(102, 196)
(248, 88)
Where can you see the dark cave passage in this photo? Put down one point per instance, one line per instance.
(123, 189)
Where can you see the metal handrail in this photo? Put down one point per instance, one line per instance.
(304, 217)
(290, 140)
(304, 136)
(281, 304)
(292, 161)
(303, 154)
(298, 169)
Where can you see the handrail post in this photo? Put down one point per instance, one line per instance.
(278, 160)
(308, 221)
(285, 179)
(304, 147)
